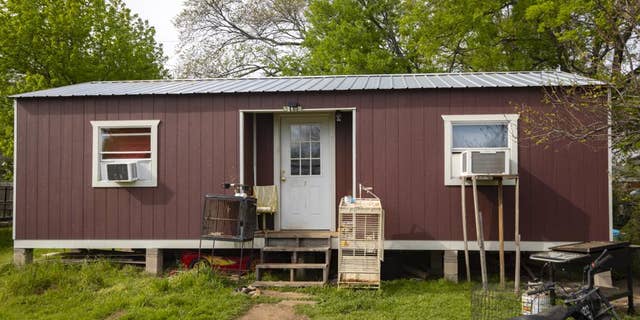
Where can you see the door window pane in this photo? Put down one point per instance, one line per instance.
(295, 167)
(315, 149)
(480, 136)
(304, 167)
(315, 167)
(295, 133)
(295, 150)
(315, 133)
(305, 149)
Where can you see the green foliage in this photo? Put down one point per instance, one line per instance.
(50, 43)
(352, 37)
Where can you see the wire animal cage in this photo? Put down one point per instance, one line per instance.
(228, 218)
(361, 249)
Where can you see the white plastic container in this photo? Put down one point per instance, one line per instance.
(535, 303)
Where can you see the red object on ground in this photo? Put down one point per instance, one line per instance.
(188, 258)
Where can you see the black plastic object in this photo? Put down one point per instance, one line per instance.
(228, 218)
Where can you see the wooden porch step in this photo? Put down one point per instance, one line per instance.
(296, 249)
(288, 284)
(292, 266)
(297, 234)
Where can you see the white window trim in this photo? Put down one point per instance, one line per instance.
(97, 125)
(449, 120)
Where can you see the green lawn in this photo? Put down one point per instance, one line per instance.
(102, 290)
(6, 245)
(400, 299)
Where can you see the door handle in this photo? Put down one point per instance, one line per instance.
(283, 178)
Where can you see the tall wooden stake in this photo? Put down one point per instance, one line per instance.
(517, 236)
(479, 235)
(501, 232)
(464, 228)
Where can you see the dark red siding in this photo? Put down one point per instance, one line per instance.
(400, 143)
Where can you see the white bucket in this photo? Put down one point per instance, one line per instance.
(535, 303)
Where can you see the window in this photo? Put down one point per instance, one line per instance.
(488, 132)
(125, 153)
(305, 150)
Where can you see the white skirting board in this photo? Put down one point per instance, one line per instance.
(410, 245)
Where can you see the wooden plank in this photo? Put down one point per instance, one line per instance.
(27, 179)
(170, 180)
(194, 173)
(405, 168)
(501, 232)
(182, 214)
(517, 238)
(464, 228)
(296, 249)
(67, 216)
(479, 234)
(262, 284)
(42, 191)
(291, 266)
(54, 141)
(299, 234)
(76, 163)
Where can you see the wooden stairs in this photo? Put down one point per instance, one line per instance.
(295, 252)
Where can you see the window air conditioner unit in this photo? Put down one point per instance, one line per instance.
(485, 162)
(121, 171)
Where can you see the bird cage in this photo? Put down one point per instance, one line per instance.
(228, 218)
(361, 249)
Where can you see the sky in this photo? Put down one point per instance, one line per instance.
(160, 14)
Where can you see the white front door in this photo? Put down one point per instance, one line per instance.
(307, 172)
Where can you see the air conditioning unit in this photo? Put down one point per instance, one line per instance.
(485, 162)
(120, 171)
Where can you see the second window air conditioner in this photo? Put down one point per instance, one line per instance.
(475, 162)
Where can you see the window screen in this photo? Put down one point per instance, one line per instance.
(480, 136)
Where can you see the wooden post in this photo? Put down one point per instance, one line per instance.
(479, 234)
(501, 232)
(464, 228)
(517, 236)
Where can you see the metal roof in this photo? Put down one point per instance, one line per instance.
(318, 83)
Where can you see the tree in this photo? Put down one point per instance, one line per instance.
(47, 43)
(356, 36)
(221, 38)
(476, 35)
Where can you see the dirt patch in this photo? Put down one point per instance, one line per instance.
(116, 315)
(286, 295)
(621, 304)
(283, 310)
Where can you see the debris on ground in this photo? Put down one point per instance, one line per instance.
(249, 290)
(283, 310)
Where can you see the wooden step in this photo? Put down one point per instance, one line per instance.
(291, 266)
(296, 249)
(299, 234)
(287, 284)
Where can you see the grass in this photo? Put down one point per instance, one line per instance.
(400, 299)
(102, 290)
(6, 245)
(99, 290)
